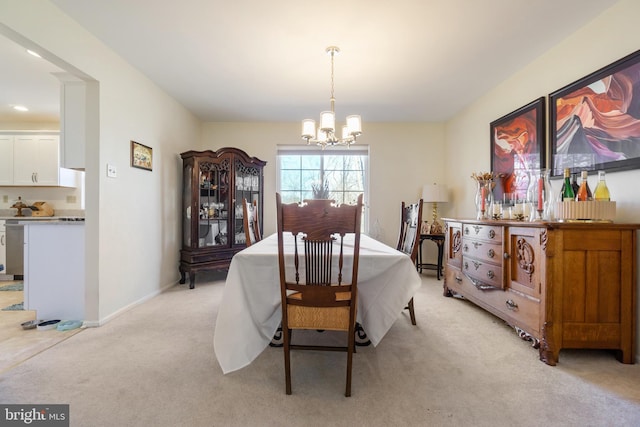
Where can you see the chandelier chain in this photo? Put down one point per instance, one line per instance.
(333, 99)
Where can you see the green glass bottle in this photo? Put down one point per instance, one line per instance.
(567, 189)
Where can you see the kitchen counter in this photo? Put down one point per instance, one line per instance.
(10, 214)
(46, 220)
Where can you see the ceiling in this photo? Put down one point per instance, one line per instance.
(28, 81)
(256, 60)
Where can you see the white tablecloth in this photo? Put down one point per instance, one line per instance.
(250, 312)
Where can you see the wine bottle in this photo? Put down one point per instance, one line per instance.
(602, 191)
(567, 190)
(574, 183)
(584, 192)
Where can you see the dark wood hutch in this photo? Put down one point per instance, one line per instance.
(214, 185)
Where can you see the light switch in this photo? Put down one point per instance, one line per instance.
(111, 171)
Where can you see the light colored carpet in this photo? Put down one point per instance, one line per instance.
(15, 286)
(14, 307)
(154, 365)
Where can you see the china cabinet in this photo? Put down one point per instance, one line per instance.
(560, 285)
(214, 186)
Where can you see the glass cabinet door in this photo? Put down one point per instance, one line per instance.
(213, 204)
(247, 186)
(187, 173)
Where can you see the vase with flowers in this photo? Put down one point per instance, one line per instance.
(320, 190)
(484, 193)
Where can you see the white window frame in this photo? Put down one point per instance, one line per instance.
(358, 149)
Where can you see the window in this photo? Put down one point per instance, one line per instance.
(344, 171)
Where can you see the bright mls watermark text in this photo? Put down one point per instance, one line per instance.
(34, 415)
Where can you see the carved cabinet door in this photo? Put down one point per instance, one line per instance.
(454, 244)
(524, 250)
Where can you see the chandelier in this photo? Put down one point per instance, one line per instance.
(326, 132)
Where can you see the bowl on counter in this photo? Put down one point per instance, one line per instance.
(30, 324)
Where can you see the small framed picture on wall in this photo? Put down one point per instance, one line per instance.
(141, 156)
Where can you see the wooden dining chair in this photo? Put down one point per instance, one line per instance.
(250, 222)
(409, 240)
(316, 293)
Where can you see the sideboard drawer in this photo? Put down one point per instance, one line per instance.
(485, 273)
(485, 251)
(492, 233)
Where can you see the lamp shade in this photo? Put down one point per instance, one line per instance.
(309, 128)
(437, 193)
(327, 121)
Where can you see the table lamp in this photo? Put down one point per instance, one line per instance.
(435, 193)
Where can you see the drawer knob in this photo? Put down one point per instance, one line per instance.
(458, 279)
(490, 274)
(506, 255)
(466, 248)
(491, 253)
(492, 234)
(511, 305)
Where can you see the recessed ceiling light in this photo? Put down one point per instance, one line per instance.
(36, 54)
(20, 108)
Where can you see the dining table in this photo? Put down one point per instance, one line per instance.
(250, 310)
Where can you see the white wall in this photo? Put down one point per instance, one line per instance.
(133, 223)
(609, 37)
(403, 157)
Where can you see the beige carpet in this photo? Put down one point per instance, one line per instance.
(155, 365)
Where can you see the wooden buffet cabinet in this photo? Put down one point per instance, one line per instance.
(560, 285)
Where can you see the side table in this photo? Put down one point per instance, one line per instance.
(439, 240)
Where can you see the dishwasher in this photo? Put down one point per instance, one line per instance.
(15, 248)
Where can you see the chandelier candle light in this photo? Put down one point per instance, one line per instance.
(325, 134)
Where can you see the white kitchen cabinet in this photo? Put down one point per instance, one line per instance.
(54, 279)
(34, 160)
(6, 159)
(3, 248)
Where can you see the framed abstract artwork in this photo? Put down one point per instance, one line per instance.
(141, 156)
(595, 121)
(517, 148)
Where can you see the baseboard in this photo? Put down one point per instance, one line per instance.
(107, 319)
